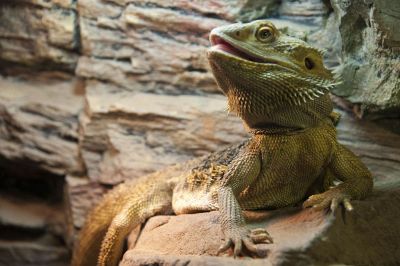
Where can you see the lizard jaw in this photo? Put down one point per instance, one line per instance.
(224, 44)
(220, 44)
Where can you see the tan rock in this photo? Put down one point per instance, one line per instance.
(42, 250)
(32, 36)
(168, 20)
(301, 237)
(95, 9)
(39, 122)
(377, 147)
(303, 8)
(371, 58)
(32, 214)
(81, 196)
(224, 9)
(127, 135)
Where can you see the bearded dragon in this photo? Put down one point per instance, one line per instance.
(279, 87)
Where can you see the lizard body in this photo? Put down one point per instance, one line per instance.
(279, 87)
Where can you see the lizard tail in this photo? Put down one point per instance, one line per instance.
(122, 209)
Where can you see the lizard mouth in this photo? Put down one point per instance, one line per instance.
(225, 46)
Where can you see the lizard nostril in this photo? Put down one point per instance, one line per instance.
(237, 33)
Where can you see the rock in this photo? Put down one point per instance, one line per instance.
(303, 8)
(328, 39)
(160, 46)
(377, 147)
(39, 122)
(127, 135)
(370, 56)
(81, 195)
(32, 214)
(301, 237)
(229, 10)
(42, 250)
(139, 35)
(41, 38)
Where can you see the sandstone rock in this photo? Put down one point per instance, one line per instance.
(127, 135)
(96, 9)
(156, 47)
(370, 56)
(303, 8)
(230, 10)
(81, 196)
(46, 3)
(366, 236)
(39, 122)
(33, 252)
(378, 148)
(38, 37)
(32, 214)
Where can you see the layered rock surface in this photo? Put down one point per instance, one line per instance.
(370, 57)
(366, 236)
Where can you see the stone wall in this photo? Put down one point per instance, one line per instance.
(93, 92)
(370, 59)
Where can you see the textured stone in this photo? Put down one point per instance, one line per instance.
(33, 252)
(97, 9)
(366, 236)
(126, 135)
(230, 10)
(156, 49)
(378, 148)
(39, 122)
(33, 214)
(38, 37)
(302, 8)
(82, 195)
(173, 49)
(370, 56)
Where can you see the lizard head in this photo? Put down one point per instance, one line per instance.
(268, 77)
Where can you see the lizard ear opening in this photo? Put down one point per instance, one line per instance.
(309, 63)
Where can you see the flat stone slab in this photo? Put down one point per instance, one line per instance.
(368, 235)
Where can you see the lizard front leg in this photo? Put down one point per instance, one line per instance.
(241, 173)
(356, 182)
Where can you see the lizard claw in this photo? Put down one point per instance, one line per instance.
(251, 240)
(329, 199)
(224, 247)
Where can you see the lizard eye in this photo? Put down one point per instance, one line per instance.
(308, 63)
(265, 34)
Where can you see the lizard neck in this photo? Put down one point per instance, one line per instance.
(275, 130)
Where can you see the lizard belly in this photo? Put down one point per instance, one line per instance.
(290, 166)
(281, 191)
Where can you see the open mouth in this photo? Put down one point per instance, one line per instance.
(220, 44)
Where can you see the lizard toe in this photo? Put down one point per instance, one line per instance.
(259, 250)
(237, 250)
(260, 235)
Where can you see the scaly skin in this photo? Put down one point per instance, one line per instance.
(279, 87)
